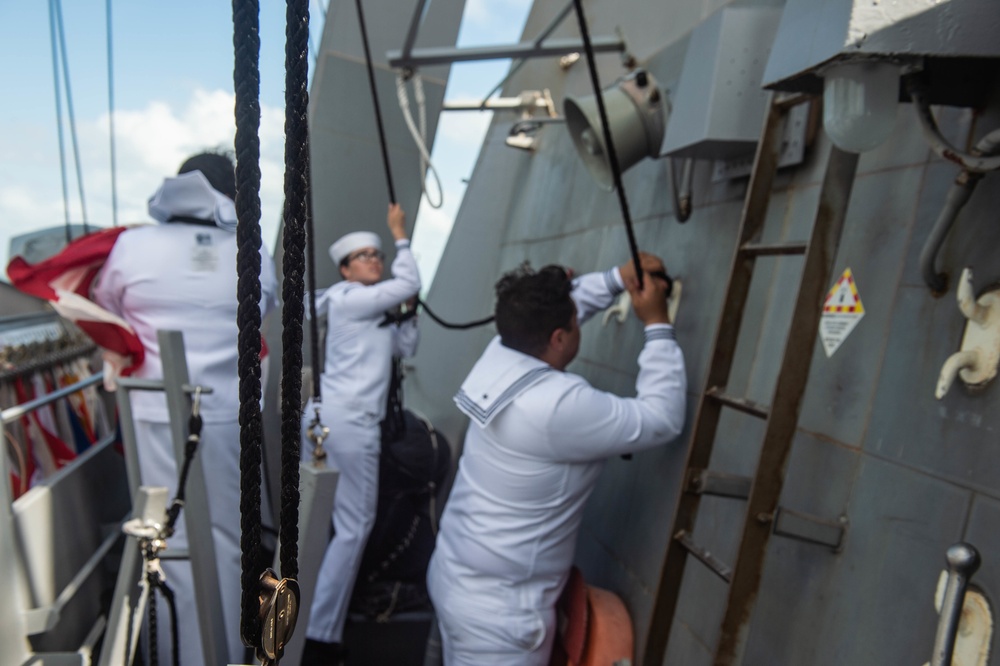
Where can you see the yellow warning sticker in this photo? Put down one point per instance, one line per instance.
(842, 310)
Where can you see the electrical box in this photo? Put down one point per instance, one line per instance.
(719, 105)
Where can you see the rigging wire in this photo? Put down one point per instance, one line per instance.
(378, 110)
(111, 121)
(419, 135)
(69, 111)
(59, 125)
(608, 143)
(385, 160)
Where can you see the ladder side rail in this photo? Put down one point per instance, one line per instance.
(706, 420)
(783, 420)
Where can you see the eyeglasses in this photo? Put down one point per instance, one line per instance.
(366, 256)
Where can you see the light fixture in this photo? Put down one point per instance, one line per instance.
(854, 52)
(634, 106)
(859, 103)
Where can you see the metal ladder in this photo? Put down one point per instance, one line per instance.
(761, 492)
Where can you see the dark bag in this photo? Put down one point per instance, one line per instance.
(412, 468)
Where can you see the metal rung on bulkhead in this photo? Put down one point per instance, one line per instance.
(717, 566)
(740, 404)
(773, 250)
(802, 526)
(719, 484)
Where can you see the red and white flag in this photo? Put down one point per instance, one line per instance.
(65, 281)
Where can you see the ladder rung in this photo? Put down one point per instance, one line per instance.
(702, 555)
(740, 404)
(802, 526)
(720, 484)
(774, 249)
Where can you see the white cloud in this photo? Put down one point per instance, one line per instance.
(151, 143)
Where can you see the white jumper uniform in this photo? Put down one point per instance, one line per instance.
(533, 452)
(355, 387)
(181, 276)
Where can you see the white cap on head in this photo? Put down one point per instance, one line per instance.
(351, 242)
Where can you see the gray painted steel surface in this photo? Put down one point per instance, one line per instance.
(349, 191)
(910, 475)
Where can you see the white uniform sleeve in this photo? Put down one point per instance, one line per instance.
(109, 288)
(594, 292)
(321, 302)
(405, 338)
(588, 424)
(268, 283)
(361, 302)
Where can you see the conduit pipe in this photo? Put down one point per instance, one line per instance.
(980, 163)
(958, 195)
(681, 193)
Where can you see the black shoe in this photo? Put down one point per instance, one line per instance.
(319, 653)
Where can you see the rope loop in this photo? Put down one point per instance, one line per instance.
(419, 134)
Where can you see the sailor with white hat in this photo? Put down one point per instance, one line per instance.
(355, 385)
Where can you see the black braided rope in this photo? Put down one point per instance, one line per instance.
(156, 584)
(154, 627)
(459, 327)
(293, 263)
(246, 79)
(608, 143)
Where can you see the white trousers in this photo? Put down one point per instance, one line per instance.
(480, 626)
(219, 451)
(352, 448)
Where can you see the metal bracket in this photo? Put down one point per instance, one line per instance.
(803, 527)
(976, 362)
(793, 148)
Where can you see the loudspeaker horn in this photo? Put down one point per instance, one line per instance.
(634, 107)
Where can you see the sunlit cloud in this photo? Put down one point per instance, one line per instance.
(150, 143)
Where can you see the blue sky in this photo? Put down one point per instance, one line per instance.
(173, 96)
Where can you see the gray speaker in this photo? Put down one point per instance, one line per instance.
(634, 107)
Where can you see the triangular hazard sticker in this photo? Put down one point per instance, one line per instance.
(842, 310)
(843, 296)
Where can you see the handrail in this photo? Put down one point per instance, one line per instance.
(45, 618)
(13, 413)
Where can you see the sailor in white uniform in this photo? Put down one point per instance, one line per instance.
(536, 444)
(181, 275)
(355, 385)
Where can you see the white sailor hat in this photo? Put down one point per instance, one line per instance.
(351, 242)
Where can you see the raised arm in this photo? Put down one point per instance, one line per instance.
(362, 301)
(593, 424)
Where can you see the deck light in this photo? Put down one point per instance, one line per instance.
(859, 103)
